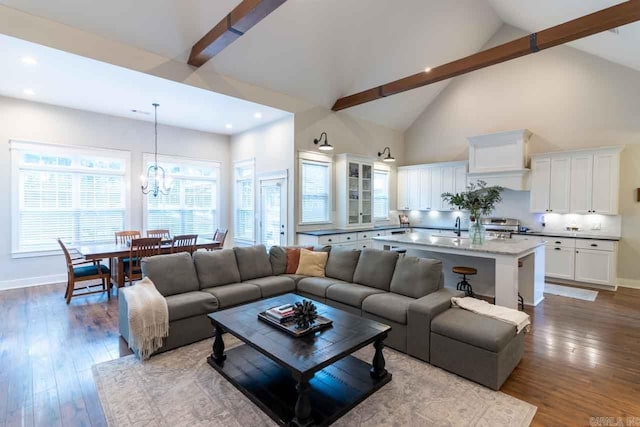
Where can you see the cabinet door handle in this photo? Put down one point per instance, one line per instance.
(329, 240)
(558, 243)
(348, 238)
(577, 252)
(557, 249)
(593, 245)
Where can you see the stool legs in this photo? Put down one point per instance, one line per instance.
(465, 286)
(520, 302)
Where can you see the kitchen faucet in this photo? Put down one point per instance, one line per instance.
(458, 232)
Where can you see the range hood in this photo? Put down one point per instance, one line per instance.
(501, 159)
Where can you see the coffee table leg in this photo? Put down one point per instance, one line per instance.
(377, 368)
(218, 355)
(303, 405)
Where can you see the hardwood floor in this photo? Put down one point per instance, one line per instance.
(582, 359)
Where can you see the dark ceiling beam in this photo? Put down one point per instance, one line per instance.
(603, 20)
(241, 19)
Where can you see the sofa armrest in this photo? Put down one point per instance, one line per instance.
(123, 315)
(419, 316)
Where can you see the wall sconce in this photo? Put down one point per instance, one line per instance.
(389, 158)
(325, 146)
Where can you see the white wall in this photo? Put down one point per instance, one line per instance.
(30, 121)
(567, 98)
(347, 135)
(271, 146)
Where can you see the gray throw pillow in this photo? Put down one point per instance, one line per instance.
(171, 274)
(216, 268)
(416, 277)
(342, 264)
(278, 259)
(375, 268)
(253, 262)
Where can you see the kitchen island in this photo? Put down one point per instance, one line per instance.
(518, 264)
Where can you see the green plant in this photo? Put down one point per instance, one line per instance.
(479, 199)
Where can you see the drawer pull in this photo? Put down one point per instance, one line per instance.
(348, 238)
(557, 249)
(593, 245)
(558, 243)
(329, 240)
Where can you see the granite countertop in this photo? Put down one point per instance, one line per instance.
(571, 234)
(495, 246)
(377, 228)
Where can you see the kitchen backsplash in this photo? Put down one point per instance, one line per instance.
(515, 204)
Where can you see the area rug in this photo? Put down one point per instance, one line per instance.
(570, 292)
(179, 388)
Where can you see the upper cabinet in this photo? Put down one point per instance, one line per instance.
(420, 187)
(585, 181)
(354, 195)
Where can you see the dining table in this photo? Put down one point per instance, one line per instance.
(116, 252)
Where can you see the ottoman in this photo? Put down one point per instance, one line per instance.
(475, 347)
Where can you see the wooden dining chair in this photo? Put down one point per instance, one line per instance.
(123, 237)
(219, 236)
(163, 234)
(140, 248)
(82, 270)
(184, 243)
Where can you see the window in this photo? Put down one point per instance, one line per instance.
(66, 192)
(191, 207)
(244, 220)
(381, 194)
(315, 200)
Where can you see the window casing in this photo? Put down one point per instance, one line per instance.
(73, 193)
(380, 195)
(315, 192)
(244, 201)
(192, 204)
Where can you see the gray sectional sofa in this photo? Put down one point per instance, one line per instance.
(406, 293)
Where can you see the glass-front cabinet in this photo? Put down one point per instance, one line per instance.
(354, 196)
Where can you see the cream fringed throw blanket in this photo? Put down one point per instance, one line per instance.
(517, 318)
(148, 318)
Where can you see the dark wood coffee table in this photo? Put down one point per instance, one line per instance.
(312, 380)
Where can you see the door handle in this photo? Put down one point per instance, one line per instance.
(282, 233)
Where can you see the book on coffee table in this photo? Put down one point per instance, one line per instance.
(288, 325)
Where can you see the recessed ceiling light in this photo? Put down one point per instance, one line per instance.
(428, 69)
(28, 60)
(257, 115)
(228, 126)
(29, 92)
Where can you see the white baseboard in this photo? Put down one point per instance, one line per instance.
(32, 281)
(629, 283)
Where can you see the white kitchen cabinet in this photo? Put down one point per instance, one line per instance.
(460, 178)
(352, 240)
(584, 181)
(413, 189)
(436, 188)
(425, 189)
(420, 187)
(595, 266)
(560, 262)
(448, 185)
(354, 191)
(403, 189)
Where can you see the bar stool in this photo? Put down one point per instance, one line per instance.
(399, 250)
(520, 298)
(464, 285)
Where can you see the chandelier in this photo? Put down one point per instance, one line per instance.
(155, 181)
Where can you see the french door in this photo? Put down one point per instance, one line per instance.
(273, 212)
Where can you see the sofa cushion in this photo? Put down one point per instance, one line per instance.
(316, 285)
(216, 268)
(312, 263)
(190, 304)
(416, 277)
(278, 259)
(253, 262)
(293, 258)
(342, 264)
(389, 306)
(350, 293)
(234, 294)
(295, 277)
(274, 285)
(474, 329)
(171, 274)
(375, 268)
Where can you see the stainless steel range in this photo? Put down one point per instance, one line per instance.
(500, 228)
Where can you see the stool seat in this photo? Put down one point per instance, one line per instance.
(469, 271)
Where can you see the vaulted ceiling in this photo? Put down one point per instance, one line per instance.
(320, 50)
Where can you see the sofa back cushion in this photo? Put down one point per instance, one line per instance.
(342, 264)
(253, 262)
(375, 268)
(216, 268)
(278, 257)
(416, 277)
(172, 274)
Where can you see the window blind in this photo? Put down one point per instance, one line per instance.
(315, 195)
(68, 193)
(380, 194)
(244, 224)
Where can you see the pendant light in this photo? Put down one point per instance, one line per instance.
(325, 146)
(389, 158)
(155, 181)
